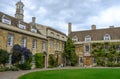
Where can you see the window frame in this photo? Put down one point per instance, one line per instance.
(107, 37)
(10, 40)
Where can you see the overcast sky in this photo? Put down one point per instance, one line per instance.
(57, 13)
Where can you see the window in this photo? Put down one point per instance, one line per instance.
(51, 43)
(24, 40)
(6, 21)
(87, 48)
(34, 44)
(118, 48)
(33, 30)
(58, 45)
(52, 34)
(58, 36)
(63, 46)
(10, 40)
(106, 48)
(43, 46)
(87, 38)
(81, 60)
(107, 37)
(94, 60)
(75, 38)
(21, 26)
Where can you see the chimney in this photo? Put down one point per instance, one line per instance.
(69, 28)
(93, 27)
(111, 26)
(33, 20)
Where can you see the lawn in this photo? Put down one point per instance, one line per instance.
(104, 73)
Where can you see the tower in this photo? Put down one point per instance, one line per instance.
(19, 11)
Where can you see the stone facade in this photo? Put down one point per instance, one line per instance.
(84, 39)
(36, 36)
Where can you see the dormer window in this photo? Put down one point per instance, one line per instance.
(58, 36)
(88, 38)
(107, 37)
(52, 34)
(33, 30)
(21, 26)
(75, 38)
(5, 20)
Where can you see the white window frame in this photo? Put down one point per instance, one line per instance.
(51, 43)
(75, 38)
(21, 26)
(87, 38)
(52, 34)
(57, 45)
(85, 48)
(10, 40)
(43, 46)
(34, 44)
(24, 42)
(6, 21)
(33, 30)
(107, 37)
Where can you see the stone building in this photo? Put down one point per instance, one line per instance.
(34, 36)
(84, 39)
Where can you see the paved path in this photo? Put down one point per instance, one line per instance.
(16, 74)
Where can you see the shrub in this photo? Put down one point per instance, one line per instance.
(11, 68)
(16, 54)
(25, 66)
(3, 56)
(39, 60)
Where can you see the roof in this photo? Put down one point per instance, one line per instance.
(97, 34)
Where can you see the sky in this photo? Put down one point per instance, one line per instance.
(57, 13)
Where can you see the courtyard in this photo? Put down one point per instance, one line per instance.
(63, 73)
(75, 73)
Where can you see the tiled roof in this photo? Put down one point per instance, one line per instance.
(97, 34)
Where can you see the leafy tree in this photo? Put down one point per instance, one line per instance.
(69, 53)
(3, 56)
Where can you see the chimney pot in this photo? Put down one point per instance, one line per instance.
(93, 27)
(33, 19)
(111, 26)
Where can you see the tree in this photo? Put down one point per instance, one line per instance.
(3, 57)
(69, 53)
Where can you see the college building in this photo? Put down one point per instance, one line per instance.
(85, 41)
(36, 37)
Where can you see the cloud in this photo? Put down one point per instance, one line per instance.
(57, 13)
(107, 17)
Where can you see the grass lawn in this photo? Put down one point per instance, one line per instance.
(108, 73)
